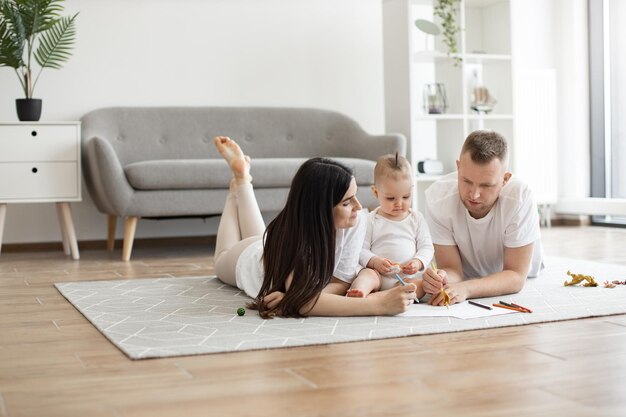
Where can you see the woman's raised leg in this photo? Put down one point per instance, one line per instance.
(241, 223)
(228, 231)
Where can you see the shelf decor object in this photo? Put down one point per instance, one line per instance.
(32, 31)
(482, 101)
(435, 101)
(429, 28)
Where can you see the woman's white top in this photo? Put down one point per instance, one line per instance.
(348, 244)
(512, 222)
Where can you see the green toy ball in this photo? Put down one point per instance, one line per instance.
(241, 311)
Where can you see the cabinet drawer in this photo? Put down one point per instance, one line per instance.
(39, 143)
(45, 181)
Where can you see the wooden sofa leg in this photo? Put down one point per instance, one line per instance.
(111, 226)
(129, 236)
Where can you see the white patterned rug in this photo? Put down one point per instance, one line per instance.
(150, 318)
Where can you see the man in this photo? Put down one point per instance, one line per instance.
(484, 225)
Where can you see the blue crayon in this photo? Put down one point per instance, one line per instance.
(399, 278)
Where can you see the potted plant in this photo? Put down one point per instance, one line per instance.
(34, 30)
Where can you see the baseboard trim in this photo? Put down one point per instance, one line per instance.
(101, 244)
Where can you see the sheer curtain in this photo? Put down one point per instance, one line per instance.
(607, 69)
(616, 186)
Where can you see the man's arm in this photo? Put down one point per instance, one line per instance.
(510, 280)
(449, 259)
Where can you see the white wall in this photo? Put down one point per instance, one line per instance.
(304, 53)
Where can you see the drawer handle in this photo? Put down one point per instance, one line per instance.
(33, 133)
(34, 170)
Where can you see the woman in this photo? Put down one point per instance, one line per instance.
(311, 249)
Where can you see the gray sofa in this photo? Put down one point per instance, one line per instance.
(160, 162)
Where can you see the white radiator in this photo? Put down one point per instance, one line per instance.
(534, 152)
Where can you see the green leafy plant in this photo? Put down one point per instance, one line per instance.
(446, 11)
(34, 30)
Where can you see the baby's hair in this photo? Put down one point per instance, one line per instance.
(393, 166)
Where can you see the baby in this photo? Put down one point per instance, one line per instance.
(397, 238)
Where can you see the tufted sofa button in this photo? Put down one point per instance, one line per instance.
(248, 138)
(120, 137)
(289, 137)
(162, 140)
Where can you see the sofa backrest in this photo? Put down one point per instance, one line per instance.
(149, 133)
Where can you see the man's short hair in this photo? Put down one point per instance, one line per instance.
(485, 145)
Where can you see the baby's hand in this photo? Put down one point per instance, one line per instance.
(412, 267)
(382, 265)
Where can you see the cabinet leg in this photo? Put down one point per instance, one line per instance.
(68, 224)
(3, 215)
(66, 243)
(111, 225)
(129, 236)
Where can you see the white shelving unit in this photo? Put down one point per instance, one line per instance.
(412, 60)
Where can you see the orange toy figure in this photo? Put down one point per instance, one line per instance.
(578, 278)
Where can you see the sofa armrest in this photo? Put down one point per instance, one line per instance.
(105, 178)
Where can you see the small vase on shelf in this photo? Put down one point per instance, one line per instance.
(435, 101)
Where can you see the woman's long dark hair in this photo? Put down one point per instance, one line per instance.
(301, 239)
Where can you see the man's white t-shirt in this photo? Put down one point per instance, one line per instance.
(512, 222)
(348, 244)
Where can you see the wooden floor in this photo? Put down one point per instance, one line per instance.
(54, 363)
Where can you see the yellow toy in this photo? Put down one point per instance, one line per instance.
(578, 278)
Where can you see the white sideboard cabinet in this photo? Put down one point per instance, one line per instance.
(40, 163)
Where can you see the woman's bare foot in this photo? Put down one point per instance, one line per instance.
(228, 148)
(354, 292)
(234, 156)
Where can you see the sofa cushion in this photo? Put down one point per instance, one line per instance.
(168, 174)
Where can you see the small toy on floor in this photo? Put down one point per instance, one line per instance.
(241, 311)
(578, 278)
(613, 283)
